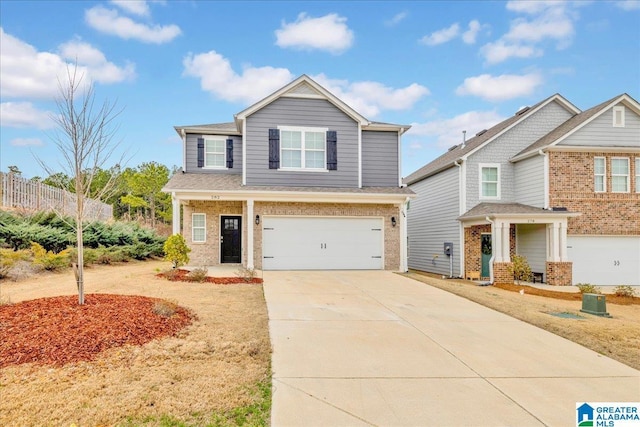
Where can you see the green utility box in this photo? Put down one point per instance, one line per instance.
(594, 304)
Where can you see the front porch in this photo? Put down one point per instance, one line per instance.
(494, 233)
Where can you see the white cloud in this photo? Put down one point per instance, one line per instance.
(135, 7)
(448, 132)
(500, 88)
(26, 72)
(24, 115)
(441, 36)
(26, 142)
(499, 51)
(109, 21)
(469, 36)
(396, 19)
(329, 33)
(628, 4)
(542, 21)
(218, 78)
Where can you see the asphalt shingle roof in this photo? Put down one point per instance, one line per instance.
(489, 209)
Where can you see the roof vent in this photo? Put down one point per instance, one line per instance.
(559, 209)
(453, 148)
(481, 132)
(522, 111)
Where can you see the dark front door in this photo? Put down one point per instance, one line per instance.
(485, 250)
(231, 239)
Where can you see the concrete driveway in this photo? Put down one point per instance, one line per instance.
(362, 348)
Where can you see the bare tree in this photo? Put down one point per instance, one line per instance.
(84, 136)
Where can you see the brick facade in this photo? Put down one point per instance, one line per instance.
(502, 272)
(208, 253)
(571, 185)
(559, 273)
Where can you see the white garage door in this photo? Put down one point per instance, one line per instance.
(320, 243)
(605, 260)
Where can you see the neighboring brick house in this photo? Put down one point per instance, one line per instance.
(298, 181)
(554, 184)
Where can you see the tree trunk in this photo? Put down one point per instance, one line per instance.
(79, 237)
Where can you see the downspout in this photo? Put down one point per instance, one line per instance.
(493, 254)
(545, 178)
(462, 195)
(400, 132)
(184, 150)
(404, 243)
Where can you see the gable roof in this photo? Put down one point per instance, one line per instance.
(462, 151)
(574, 123)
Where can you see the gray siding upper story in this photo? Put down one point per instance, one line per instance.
(191, 162)
(507, 145)
(301, 112)
(529, 181)
(600, 132)
(432, 221)
(380, 159)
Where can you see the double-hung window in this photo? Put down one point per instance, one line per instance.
(637, 174)
(600, 174)
(489, 181)
(619, 175)
(303, 148)
(214, 153)
(198, 228)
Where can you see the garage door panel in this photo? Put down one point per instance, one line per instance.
(605, 260)
(319, 243)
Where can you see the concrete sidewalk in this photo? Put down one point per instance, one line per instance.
(375, 348)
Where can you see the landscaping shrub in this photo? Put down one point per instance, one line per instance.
(49, 260)
(520, 268)
(588, 288)
(624, 291)
(176, 250)
(90, 256)
(197, 275)
(246, 274)
(9, 259)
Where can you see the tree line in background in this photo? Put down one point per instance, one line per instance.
(135, 194)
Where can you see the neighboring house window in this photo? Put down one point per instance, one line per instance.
(198, 228)
(618, 117)
(214, 153)
(489, 181)
(303, 148)
(619, 175)
(599, 173)
(637, 174)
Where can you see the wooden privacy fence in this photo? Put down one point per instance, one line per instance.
(21, 193)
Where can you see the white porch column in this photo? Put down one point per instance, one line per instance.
(563, 240)
(249, 226)
(555, 242)
(506, 242)
(175, 208)
(496, 241)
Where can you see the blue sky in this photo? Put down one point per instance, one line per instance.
(442, 67)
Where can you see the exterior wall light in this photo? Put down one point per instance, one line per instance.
(257, 219)
(393, 221)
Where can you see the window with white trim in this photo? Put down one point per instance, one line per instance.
(618, 117)
(637, 174)
(198, 228)
(489, 181)
(215, 150)
(619, 175)
(599, 174)
(303, 148)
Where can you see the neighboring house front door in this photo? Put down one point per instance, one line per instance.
(231, 239)
(485, 250)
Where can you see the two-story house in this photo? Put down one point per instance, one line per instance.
(298, 181)
(554, 184)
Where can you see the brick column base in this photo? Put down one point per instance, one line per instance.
(502, 272)
(560, 273)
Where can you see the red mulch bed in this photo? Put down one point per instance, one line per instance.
(569, 296)
(181, 275)
(56, 331)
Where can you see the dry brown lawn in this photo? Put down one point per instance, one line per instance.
(218, 363)
(617, 337)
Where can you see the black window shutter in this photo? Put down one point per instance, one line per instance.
(230, 153)
(332, 150)
(200, 152)
(274, 149)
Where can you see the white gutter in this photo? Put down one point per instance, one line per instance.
(244, 152)
(404, 263)
(184, 149)
(493, 254)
